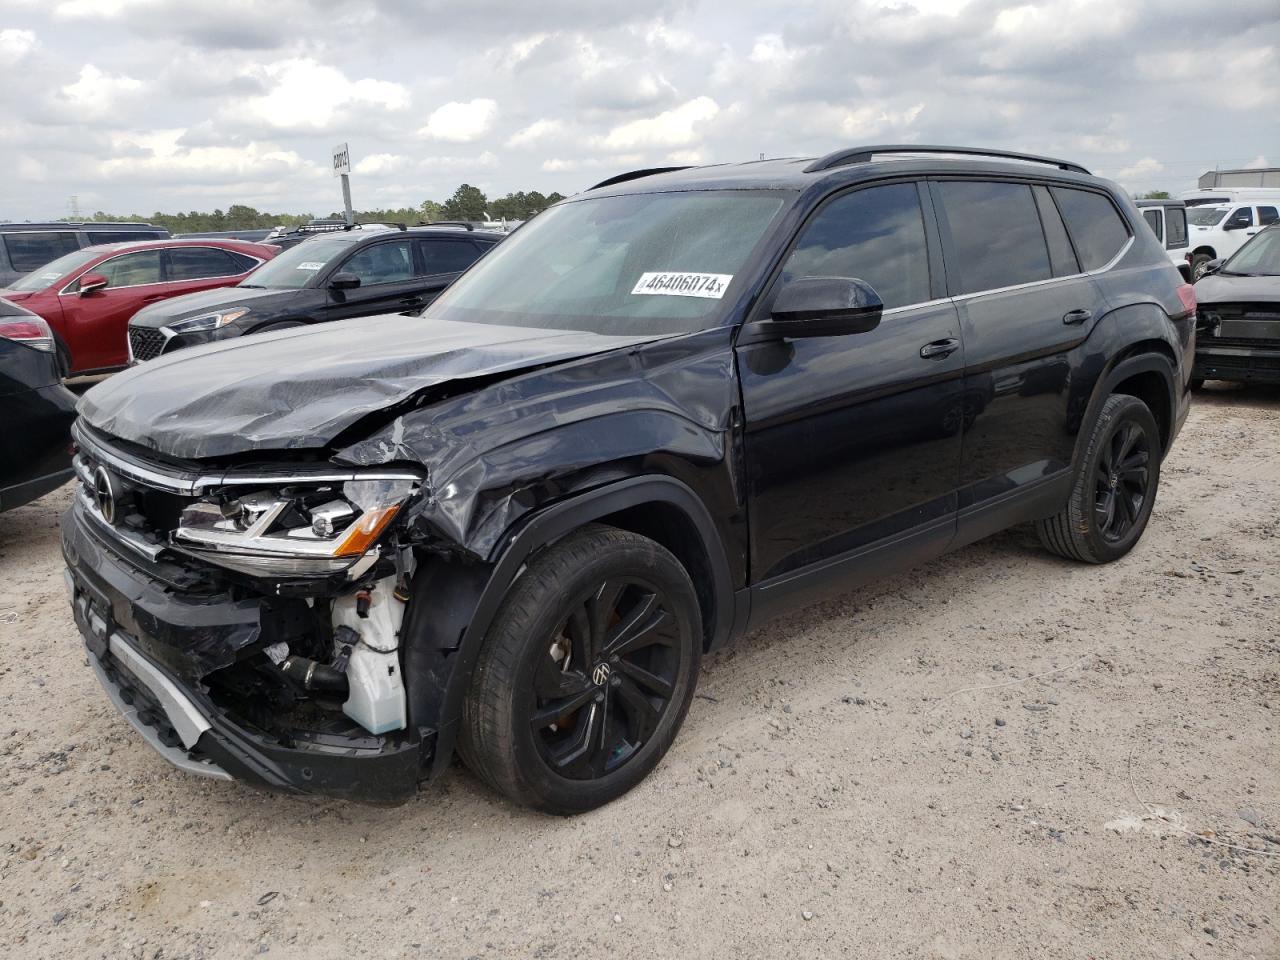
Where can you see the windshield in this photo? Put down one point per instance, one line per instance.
(292, 268)
(54, 270)
(1205, 216)
(620, 266)
(1259, 257)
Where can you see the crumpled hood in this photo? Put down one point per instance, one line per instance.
(299, 388)
(202, 301)
(1216, 288)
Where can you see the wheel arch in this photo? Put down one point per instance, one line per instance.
(444, 639)
(1206, 250)
(1146, 370)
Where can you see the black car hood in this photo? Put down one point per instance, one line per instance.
(1216, 288)
(299, 388)
(194, 304)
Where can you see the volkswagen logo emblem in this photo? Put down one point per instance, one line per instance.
(600, 675)
(106, 493)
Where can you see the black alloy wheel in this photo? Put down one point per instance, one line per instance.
(1121, 481)
(608, 677)
(586, 673)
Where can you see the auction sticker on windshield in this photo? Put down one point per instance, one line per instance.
(310, 265)
(709, 285)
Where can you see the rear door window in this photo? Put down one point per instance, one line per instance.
(446, 256)
(200, 263)
(876, 235)
(1175, 219)
(997, 239)
(1267, 215)
(1097, 229)
(32, 250)
(1062, 255)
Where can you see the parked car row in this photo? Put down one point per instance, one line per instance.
(25, 247)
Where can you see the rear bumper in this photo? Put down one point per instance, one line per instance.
(147, 645)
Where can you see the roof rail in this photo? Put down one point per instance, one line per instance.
(446, 223)
(843, 158)
(635, 175)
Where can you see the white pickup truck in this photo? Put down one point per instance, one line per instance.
(1220, 222)
(1168, 221)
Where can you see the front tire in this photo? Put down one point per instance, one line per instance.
(1115, 486)
(586, 673)
(1198, 262)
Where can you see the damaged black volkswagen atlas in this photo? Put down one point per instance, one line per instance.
(661, 413)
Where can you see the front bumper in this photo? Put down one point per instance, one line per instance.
(1251, 364)
(148, 644)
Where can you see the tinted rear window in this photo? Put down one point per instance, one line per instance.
(200, 263)
(995, 229)
(1175, 218)
(123, 236)
(1095, 225)
(1157, 226)
(32, 250)
(447, 256)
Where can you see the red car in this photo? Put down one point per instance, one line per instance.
(89, 295)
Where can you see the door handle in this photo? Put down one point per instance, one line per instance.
(154, 298)
(939, 349)
(1073, 317)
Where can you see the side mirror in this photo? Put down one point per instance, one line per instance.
(1213, 266)
(822, 307)
(344, 281)
(1234, 224)
(90, 282)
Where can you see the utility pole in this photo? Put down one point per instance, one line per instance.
(342, 168)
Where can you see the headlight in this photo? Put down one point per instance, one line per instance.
(310, 531)
(206, 321)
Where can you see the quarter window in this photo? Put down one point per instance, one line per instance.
(1175, 219)
(1095, 225)
(31, 250)
(130, 269)
(876, 235)
(384, 262)
(1153, 217)
(1061, 254)
(996, 235)
(201, 263)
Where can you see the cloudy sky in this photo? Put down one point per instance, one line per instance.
(145, 105)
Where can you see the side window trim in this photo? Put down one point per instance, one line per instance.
(937, 281)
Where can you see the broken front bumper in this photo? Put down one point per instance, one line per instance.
(148, 644)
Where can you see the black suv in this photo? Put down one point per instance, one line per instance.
(331, 276)
(666, 410)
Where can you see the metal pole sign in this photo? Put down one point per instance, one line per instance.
(342, 168)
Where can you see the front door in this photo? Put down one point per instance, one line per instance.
(388, 281)
(853, 441)
(97, 323)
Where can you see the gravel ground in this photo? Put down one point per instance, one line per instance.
(998, 755)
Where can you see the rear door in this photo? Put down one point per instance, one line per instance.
(189, 269)
(854, 441)
(440, 261)
(1024, 302)
(388, 281)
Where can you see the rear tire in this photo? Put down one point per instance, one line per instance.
(1198, 262)
(1115, 486)
(586, 674)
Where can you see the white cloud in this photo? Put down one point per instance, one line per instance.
(617, 163)
(157, 155)
(536, 132)
(98, 91)
(1257, 163)
(1142, 170)
(304, 94)
(378, 163)
(458, 122)
(677, 127)
(16, 44)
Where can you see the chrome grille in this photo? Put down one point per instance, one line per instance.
(145, 343)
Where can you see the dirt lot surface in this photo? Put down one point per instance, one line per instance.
(998, 755)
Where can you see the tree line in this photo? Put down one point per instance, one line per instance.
(467, 203)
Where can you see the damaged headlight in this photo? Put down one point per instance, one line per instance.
(295, 531)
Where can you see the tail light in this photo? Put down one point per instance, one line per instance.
(1187, 294)
(32, 331)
